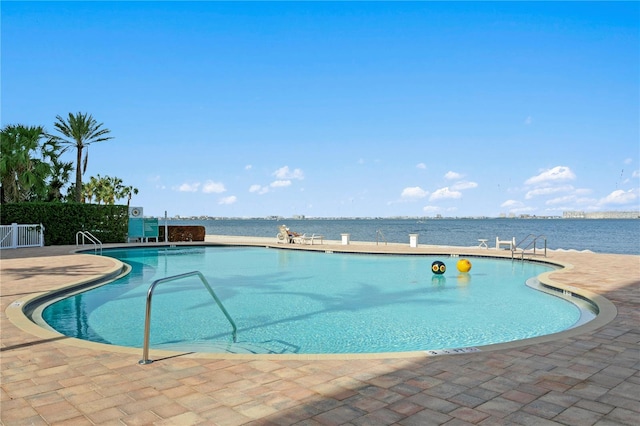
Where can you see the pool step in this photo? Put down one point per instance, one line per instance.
(269, 347)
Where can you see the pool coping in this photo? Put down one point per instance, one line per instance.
(606, 309)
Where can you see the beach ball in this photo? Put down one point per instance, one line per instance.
(463, 265)
(438, 267)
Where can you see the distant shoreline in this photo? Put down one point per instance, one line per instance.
(598, 216)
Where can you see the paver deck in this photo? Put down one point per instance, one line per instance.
(585, 377)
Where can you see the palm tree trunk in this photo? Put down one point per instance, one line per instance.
(79, 175)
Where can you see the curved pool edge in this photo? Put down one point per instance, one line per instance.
(606, 312)
(18, 313)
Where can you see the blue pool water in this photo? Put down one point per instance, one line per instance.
(289, 301)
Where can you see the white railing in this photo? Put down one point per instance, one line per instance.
(16, 236)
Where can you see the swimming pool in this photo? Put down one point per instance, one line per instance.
(290, 301)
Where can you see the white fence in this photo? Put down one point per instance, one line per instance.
(15, 236)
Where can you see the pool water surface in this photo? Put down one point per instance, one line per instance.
(290, 301)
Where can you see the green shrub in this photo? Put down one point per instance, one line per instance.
(108, 223)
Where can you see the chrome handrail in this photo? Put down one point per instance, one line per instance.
(532, 243)
(379, 233)
(147, 318)
(525, 239)
(86, 234)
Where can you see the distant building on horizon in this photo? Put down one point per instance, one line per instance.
(601, 215)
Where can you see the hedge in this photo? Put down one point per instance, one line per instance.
(62, 221)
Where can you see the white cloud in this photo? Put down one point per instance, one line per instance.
(445, 193)
(571, 200)
(547, 191)
(259, 189)
(515, 207)
(551, 175)
(528, 120)
(512, 204)
(522, 210)
(284, 173)
(453, 175)
(620, 197)
(189, 187)
(248, 167)
(228, 200)
(583, 191)
(280, 183)
(628, 161)
(635, 173)
(459, 186)
(421, 166)
(211, 187)
(414, 192)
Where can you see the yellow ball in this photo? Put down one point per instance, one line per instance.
(463, 265)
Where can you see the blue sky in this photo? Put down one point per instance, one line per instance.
(341, 109)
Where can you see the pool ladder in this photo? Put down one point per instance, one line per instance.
(380, 236)
(532, 239)
(97, 244)
(147, 318)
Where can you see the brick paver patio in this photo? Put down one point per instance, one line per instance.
(585, 377)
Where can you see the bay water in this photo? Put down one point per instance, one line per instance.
(619, 236)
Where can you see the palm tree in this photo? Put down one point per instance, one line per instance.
(107, 190)
(80, 131)
(60, 172)
(99, 189)
(89, 189)
(128, 191)
(25, 162)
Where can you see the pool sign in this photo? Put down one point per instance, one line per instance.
(438, 352)
(143, 227)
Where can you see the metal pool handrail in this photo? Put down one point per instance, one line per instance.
(97, 244)
(147, 319)
(532, 243)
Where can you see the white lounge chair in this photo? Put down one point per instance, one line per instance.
(283, 235)
(304, 238)
(287, 236)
